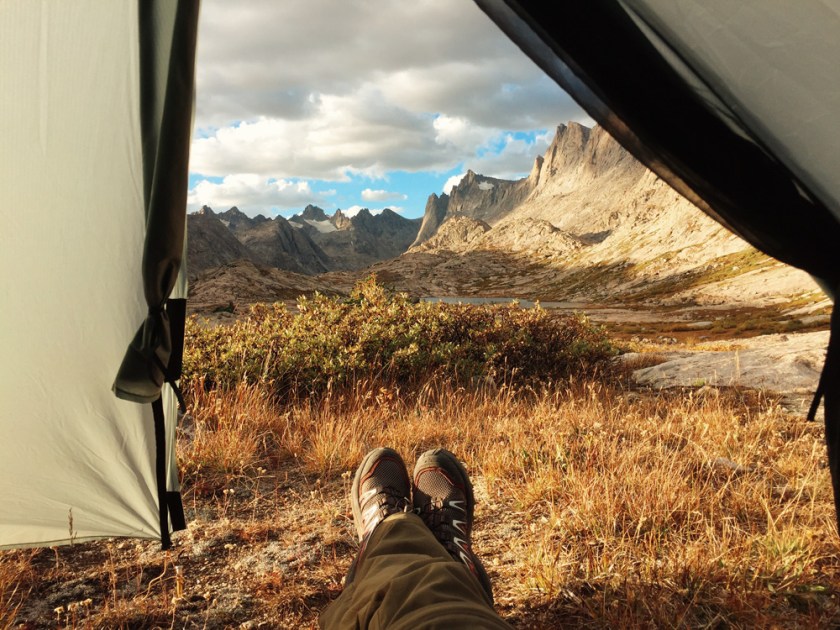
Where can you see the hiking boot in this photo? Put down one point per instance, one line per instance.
(443, 498)
(380, 488)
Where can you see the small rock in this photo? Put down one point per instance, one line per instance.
(728, 464)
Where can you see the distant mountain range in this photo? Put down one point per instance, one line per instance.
(308, 243)
(589, 223)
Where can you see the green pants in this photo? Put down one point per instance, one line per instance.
(404, 578)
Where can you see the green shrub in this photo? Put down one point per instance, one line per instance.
(334, 342)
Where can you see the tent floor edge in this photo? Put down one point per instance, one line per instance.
(169, 503)
(176, 511)
(831, 405)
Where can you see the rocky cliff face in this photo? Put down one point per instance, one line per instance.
(218, 239)
(589, 222)
(356, 242)
(581, 183)
(310, 243)
(433, 217)
(237, 221)
(484, 199)
(587, 195)
(277, 244)
(210, 243)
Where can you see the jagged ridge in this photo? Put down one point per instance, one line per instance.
(311, 242)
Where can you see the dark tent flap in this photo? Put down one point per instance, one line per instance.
(167, 69)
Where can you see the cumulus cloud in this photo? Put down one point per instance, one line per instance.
(253, 193)
(349, 136)
(328, 90)
(382, 195)
(514, 157)
(452, 182)
(267, 58)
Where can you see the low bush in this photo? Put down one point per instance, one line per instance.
(375, 334)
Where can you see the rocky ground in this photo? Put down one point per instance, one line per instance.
(785, 365)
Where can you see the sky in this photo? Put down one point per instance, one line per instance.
(358, 103)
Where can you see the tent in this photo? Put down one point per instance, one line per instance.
(732, 103)
(95, 120)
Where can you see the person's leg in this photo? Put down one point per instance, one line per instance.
(403, 577)
(443, 497)
(380, 488)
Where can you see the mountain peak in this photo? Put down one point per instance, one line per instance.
(534, 176)
(340, 220)
(434, 215)
(314, 213)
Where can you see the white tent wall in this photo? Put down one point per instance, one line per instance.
(76, 462)
(779, 78)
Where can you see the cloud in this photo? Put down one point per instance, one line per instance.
(452, 182)
(266, 59)
(362, 134)
(253, 193)
(458, 133)
(382, 195)
(513, 158)
(285, 92)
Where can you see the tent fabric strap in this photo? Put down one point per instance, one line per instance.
(829, 393)
(179, 395)
(168, 32)
(170, 506)
(176, 309)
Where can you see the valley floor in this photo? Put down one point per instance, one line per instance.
(598, 506)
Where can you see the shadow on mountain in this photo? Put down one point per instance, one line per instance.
(493, 273)
(593, 238)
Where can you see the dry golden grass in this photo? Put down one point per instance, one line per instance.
(668, 511)
(15, 577)
(598, 507)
